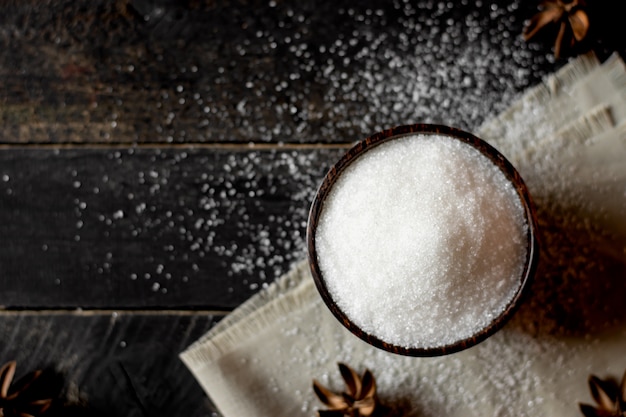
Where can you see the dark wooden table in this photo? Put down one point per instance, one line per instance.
(158, 159)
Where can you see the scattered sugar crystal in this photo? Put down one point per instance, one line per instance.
(421, 241)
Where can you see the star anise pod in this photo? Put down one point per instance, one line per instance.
(17, 400)
(611, 399)
(569, 15)
(358, 401)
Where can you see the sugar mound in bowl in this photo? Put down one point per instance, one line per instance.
(422, 240)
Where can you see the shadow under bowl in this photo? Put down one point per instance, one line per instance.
(532, 245)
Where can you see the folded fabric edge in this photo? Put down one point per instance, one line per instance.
(280, 285)
(618, 133)
(283, 296)
(597, 120)
(588, 125)
(616, 71)
(610, 145)
(578, 132)
(550, 86)
(569, 74)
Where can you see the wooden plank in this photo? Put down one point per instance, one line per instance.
(162, 71)
(118, 363)
(151, 227)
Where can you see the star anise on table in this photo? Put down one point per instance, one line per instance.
(610, 399)
(569, 15)
(358, 401)
(17, 400)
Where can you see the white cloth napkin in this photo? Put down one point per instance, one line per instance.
(567, 137)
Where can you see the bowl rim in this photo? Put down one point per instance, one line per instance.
(532, 243)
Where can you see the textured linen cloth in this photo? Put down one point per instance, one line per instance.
(567, 137)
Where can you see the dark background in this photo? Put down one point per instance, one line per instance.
(158, 159)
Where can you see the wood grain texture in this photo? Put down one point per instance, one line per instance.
(236, 71)
(120, 364)
(150, 228)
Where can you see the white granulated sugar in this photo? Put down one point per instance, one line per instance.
(421, 241)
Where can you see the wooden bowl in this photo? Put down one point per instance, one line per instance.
(532, 246)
